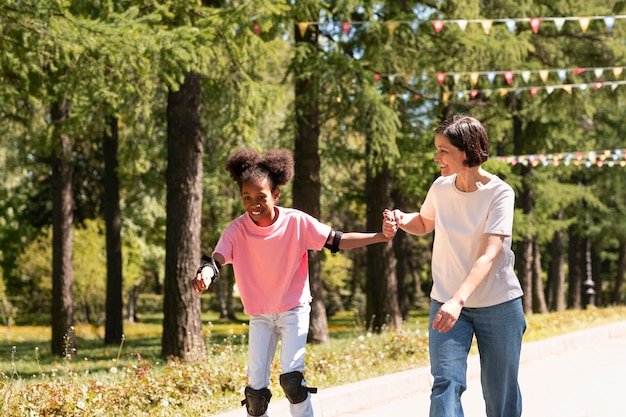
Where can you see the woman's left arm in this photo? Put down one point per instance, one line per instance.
(448, 314)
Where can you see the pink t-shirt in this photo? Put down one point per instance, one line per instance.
(271, 263)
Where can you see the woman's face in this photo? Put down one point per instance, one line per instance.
(449, 157)
(258, 201)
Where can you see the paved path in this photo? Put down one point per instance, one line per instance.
(581, 374)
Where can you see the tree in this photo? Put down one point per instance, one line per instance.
(114, 329)
(182, 328)
(63, 342)
(306, 181)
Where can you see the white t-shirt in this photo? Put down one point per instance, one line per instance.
(460, 221)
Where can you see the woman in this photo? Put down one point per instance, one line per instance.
(475, 290)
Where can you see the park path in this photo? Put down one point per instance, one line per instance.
(580, 374)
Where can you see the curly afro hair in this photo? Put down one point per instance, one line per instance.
(275, 165)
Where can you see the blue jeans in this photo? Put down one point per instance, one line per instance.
(292, 328)
(498, 330)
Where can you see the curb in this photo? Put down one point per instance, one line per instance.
(344, 399)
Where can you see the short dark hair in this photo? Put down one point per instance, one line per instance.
(469, 135)
(275, 165)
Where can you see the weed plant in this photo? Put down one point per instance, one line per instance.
(132, 380)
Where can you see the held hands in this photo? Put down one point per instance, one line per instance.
(390, 227)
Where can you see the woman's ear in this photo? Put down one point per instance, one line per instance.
(276, 193)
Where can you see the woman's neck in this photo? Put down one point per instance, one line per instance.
(471, 179)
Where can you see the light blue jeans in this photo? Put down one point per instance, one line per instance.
(292, 328)
(498, 330)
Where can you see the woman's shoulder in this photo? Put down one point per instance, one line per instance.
(498, 183)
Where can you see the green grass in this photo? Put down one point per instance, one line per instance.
(133, 380)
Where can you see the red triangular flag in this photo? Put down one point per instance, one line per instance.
(441, 76)
(508, 76)
(257, 28)
(346, 27)
(438, 25)
(534, 24)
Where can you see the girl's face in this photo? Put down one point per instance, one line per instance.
(449, 157)
(258, 201)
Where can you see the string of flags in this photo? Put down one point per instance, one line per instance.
(543, 74)
(603, 158)
(438, 25)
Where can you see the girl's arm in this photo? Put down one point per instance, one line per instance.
(352, 240)
(448, 314)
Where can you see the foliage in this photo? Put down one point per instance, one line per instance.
(35, 271)
(134, 380)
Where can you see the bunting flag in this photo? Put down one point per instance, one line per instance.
(533, 90)
(542, 74)
(589, 159)
(535, 24)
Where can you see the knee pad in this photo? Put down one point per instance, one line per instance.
(257, 400)
(294, 386)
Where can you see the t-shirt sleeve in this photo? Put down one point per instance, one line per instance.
(225, 245)
(428, 209)
(318, 233)
(500, 217)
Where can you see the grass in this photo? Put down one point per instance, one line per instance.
(132, 379)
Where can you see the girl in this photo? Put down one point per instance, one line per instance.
(267, 246)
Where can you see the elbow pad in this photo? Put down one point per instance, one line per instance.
(334, 247)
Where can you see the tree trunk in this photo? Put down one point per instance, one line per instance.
(618, 289)
(114, 329)
(526, 202)
(524, 261)
(596, 273)
(382, 289)
(63, 338)
(307, 184)
(539, 300)
(575, 270)
(182, 326)
(225, 289)
(556, 272)
(405, 268)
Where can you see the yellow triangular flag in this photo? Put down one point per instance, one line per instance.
(617, 71)
(303, 26)
(568, 88)
(584, 23)
(543, 74)
(474, 77)
(486, 24)
(391, 27)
